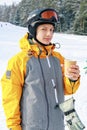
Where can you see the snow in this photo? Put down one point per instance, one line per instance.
(72, 47)
(9, 2)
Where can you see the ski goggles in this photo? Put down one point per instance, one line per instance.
(48, 14)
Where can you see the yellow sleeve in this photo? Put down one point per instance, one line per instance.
(11, 83)
(70, 87)
(18, 127)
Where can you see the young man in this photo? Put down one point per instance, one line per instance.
(34, 83)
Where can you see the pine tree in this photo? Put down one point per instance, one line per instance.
(80, 24)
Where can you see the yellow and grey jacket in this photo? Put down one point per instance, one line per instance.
(33, 86)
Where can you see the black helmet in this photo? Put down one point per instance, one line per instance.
(41, 16)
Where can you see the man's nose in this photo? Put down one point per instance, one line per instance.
(49, 33)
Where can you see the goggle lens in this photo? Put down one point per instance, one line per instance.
(48, 14)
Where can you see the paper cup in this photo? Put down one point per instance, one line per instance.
(67, 64)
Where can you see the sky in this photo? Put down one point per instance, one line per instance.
(72, 47)
(8, 2)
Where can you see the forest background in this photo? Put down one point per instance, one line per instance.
(72, 13)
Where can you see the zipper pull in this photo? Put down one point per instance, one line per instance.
(55, 92)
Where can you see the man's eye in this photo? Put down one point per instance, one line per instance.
(52, 30)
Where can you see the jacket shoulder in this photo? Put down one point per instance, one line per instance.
(18, 58)
(59, 56)
(17, 64)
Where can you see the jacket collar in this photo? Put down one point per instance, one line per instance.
(35, 49)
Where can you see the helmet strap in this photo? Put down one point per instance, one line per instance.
(41, 42)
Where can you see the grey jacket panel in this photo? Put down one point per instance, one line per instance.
(38, 99)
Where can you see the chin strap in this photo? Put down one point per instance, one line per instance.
(41, 42)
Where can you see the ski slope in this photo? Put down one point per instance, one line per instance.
(72, 47)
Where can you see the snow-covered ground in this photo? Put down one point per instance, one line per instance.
(72, 47)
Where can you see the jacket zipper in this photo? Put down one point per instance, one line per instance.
(45, 94)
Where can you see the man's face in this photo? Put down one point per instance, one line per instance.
(45, 33)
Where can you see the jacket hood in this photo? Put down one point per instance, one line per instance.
(35, 48)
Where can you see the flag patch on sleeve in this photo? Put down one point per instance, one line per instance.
(8, 74)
